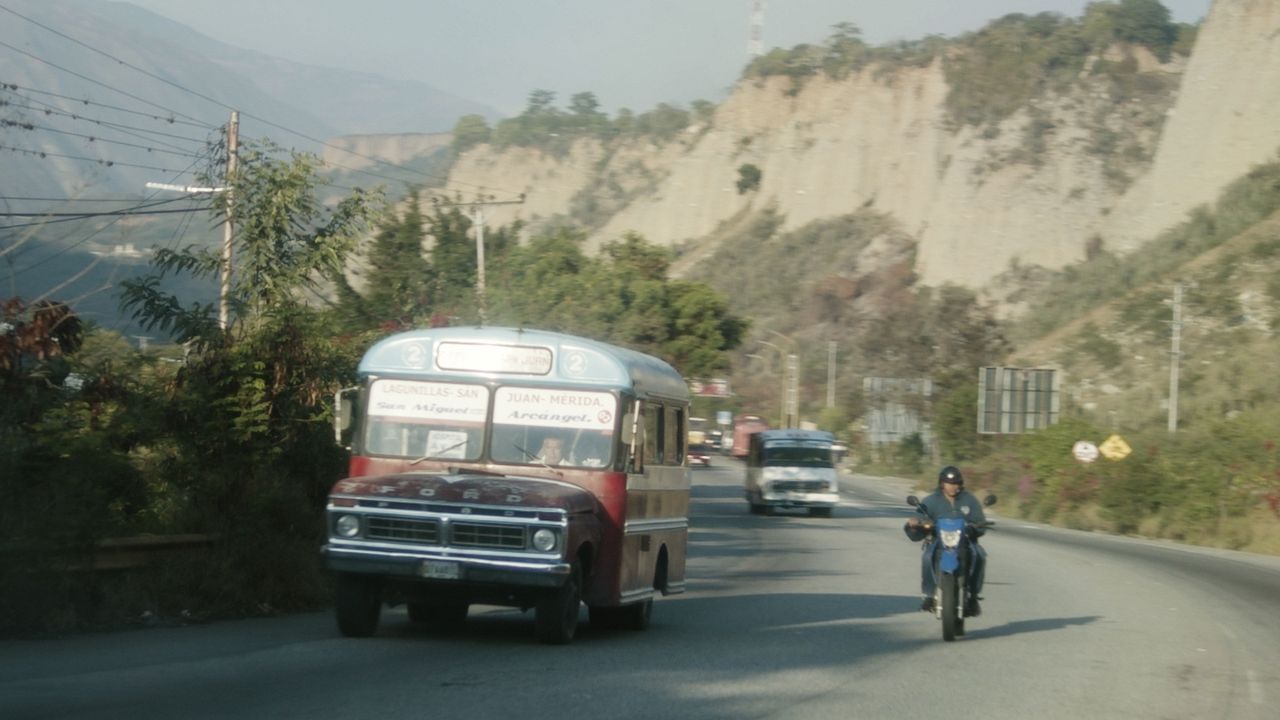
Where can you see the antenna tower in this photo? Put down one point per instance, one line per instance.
(754, 47)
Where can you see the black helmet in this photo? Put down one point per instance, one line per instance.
(950, 473)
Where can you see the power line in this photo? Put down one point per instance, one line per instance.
(86, 78)
(53, 110)
(91, 235)
(70, 217)
(207, 98)
(92, 138)
(109, 163)
(121, 211)
(85, 101)
(28, 198)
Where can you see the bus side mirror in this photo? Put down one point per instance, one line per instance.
(628, 429)
(343, 402)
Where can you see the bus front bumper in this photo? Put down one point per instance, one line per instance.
(785, 499)
(430, 567)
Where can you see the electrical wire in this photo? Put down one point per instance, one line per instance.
(48, 109)
(207, 98)
(109, 163)
(85, 101)
(95, 233)
(142, 206)
(92, 138)
(86, 78)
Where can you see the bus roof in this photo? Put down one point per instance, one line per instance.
(533, 357)
(795, 434)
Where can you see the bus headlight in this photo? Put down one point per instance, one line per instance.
(347, 526)
(544, 540)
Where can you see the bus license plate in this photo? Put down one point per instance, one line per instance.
(440, 570)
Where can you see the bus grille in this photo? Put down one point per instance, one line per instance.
(426, 532)
(808, 486)
(487, 536)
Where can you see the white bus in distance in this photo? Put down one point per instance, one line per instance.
(792, 469)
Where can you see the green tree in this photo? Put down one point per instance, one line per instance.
(621, 296)
(470, 131)
(453, 257)
(702, 329)
(247, 451)
(749, 177)
(398, 277)
(1145, 22)
(845, 50)
(585, 116)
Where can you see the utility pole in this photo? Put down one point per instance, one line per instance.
(831, 373)
(224, 282)
(224, 290)
(1175, 358)
(793, 390)
(477, 219)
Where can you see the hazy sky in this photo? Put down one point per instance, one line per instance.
(630, 53)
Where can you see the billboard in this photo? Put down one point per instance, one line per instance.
(715, 387)
(1014, 400)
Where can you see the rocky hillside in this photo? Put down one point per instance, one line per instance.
(1072, 173)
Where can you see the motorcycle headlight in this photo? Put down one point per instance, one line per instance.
(347, 526)
(544, 540)
(951, 538)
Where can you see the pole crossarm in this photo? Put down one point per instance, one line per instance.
(477, 219)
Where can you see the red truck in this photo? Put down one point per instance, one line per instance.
(744, 426)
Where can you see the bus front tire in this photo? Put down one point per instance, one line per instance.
(556, 614)
(358, 603)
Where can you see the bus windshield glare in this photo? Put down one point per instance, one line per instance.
(792, 453)
(530, 425)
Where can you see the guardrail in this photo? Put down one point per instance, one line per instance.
(129, 553)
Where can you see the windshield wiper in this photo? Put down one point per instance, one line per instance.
(440, 453)
(535, 458)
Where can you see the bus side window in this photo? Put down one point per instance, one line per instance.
(673, 447)
(652, 436)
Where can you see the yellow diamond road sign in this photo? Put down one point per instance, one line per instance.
(1115, 448)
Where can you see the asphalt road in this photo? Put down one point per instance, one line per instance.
(786, 617)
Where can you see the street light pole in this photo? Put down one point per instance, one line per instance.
(791, 397)
(787, 362)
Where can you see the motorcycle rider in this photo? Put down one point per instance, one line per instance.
(950, 500)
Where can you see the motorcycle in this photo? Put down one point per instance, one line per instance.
(953, 543)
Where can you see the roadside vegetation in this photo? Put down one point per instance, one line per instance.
(225, 434)
(1104, 323)
(554, 130)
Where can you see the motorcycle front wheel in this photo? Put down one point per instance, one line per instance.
(952, 623)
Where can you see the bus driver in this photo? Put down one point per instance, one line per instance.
(552, 452)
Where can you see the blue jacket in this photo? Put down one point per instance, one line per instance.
(936, 505)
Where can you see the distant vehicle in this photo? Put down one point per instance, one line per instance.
(744, 426)
(792, 469)
(699, 455)
(715, 439)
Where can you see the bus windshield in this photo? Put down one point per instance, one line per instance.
(793, 453)
(428, 420)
